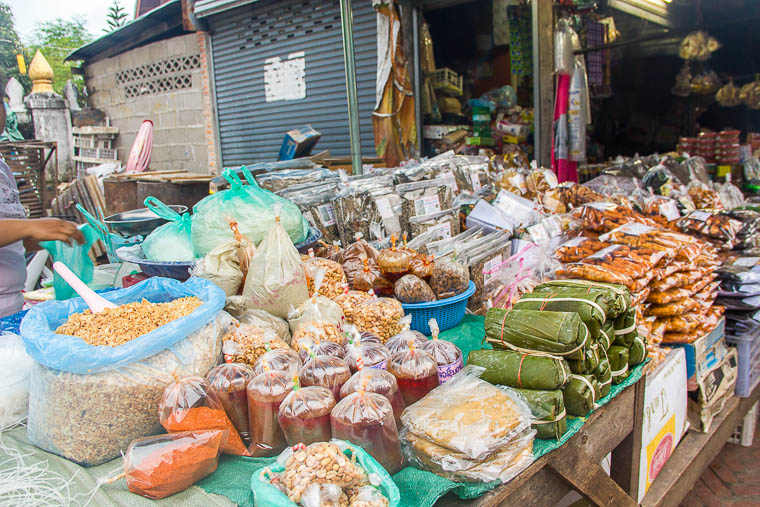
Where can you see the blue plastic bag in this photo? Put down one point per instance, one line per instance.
(251, 206)
(76, 257)
(169, 242)
(72, 354)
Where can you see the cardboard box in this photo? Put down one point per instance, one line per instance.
(714, 390)
(664, 421)
(298, 143)
(440, 131)
(699, 350)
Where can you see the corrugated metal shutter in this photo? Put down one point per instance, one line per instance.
(252, 129)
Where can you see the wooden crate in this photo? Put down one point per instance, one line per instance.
(35, 167)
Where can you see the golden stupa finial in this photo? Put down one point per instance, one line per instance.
(41, 74)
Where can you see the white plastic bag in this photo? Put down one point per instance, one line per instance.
(15, 367)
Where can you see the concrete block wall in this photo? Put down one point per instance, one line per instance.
(183, 119)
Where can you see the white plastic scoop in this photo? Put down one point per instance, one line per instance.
(96, 303)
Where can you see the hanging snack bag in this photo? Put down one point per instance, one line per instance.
(286, 360)
(412, 289)
(160, 466)
(400, 342)
(366, 419)
(229, 382)
(169, 242)
(325, 371)
(380, 382)
(189, 404)
(449, 278)
(333, 278)
(416, 372)
(304, 414)
(447, 355)
(380, 316)
(276, 278)
(265, 394)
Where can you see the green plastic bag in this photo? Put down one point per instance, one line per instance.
(169, 242)
(267, 495)
(76, 257)
(253, 209)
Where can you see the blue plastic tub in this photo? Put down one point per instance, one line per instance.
(748, 350)
(447, 312)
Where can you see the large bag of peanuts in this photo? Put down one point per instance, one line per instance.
(98, 378)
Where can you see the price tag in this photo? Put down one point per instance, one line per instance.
(702, 216)
(427, 205)
(442, 231)
(602, 206)
(384, 207)
(669, 210)
(747, 262)
(326, 214)
(453, 182)
(489, 268)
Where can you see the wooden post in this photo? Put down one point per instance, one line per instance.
(543, 79)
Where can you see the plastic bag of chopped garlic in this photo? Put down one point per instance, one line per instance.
(93, 390)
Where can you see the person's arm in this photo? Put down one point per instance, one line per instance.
(32, 231)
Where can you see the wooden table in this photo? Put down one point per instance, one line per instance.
(615, 428)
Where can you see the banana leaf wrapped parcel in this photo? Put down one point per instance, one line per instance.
(637, 352)
(591, 306)
(548, 408)
(589, 362)
(558, 333)
(603, 375)
(618, 357)
(619, 295)
(521, 370)
(581, 394)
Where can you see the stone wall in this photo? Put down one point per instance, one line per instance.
(164, 82)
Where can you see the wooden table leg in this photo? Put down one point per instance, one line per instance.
(626, 458)
(590, 479)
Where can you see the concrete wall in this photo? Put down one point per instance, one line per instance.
(183, 122)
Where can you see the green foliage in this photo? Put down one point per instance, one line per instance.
(116, 17)
(10, 46)
(57, 39)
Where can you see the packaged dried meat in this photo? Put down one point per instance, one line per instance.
(304, 414)
(447, 355)
(676, 307)
(333, 277)
(380, 382)
(412, 289)
(265, 394)
(286, 360)
(380, 316)
(594, 273)
(416, 372)
(468, 415)
(162, 465)
(714, 225)
(189, 404)
(229, 382)
(325, 371)
(684, 323)
(366, 419)
(578, 248)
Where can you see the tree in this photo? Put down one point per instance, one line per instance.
(56, 40)
(10, 46)
(116, 17)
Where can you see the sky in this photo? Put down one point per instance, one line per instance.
(29, 12)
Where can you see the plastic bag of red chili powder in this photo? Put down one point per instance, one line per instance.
(156, 467)
(189, 404)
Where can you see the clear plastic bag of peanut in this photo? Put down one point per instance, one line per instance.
(449, 278)
(229, 382)
(286, 360)
(366, 419)
(380, 316)
(394, 262)
(245, 344)
(349, 301)
(316, 332)
(447, 355)
(304, 414)
(265, 393)
(413, 289)
(316, 308)
(189, 404)
(333, 279)
(325, 371)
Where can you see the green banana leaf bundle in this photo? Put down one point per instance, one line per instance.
(637, 352)
(521, 370)
(606, 334)
(557, 333)
(625, 328)
(548, 408)
(603, 375)
(591, 306)
(589, 362)
(580, 394)
(618, 357)
(619, 295)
